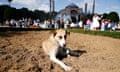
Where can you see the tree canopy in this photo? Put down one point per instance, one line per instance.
(113, 17)
(7, 12)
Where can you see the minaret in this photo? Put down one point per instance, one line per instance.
(53, 5)
(52, 10)
(93, 8)
(86, 8)
(53, 14)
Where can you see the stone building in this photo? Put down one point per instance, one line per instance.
(70, 12)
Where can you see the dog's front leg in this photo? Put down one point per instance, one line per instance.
(54, 59)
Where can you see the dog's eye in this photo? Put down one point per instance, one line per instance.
(60, 37)
(65, 36)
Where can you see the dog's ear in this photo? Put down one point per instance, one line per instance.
(53, 32)
(67, 32)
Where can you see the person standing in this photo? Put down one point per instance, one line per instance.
(95, 23)
(61, 23)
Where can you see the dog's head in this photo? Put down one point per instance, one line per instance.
(60, 36)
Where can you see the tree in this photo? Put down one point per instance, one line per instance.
(113, 16)
(9, 13)
(105, 16)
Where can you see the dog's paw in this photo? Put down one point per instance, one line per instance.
(67, 68)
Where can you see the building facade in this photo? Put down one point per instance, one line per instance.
(71, 12)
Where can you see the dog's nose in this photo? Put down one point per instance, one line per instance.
(64, 45)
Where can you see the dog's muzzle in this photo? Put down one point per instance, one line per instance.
(64, 45)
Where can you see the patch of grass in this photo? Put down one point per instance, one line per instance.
(112, 34)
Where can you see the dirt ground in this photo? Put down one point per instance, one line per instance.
(22, 52)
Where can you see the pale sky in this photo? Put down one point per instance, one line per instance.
(102, 6)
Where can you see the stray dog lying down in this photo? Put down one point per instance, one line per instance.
(54, 44)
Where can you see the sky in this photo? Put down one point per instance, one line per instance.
(101, 6)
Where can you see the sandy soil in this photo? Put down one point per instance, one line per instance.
(22, 52)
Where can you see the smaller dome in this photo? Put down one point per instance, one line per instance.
(72, 5)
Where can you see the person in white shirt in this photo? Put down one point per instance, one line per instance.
(95, 23)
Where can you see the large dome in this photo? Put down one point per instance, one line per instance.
(72, 5)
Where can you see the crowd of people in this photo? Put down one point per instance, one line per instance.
(97, 23)
(22, 23)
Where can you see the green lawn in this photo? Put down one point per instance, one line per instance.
(112, 34)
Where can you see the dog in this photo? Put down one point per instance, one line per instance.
(53, 44)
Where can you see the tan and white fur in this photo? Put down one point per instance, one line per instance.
(52, 45)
